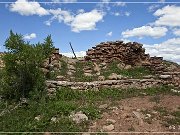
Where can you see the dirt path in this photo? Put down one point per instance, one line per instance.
(140, 114)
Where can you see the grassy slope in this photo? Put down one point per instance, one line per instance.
(66, 101)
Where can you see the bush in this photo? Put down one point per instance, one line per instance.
(22, 72)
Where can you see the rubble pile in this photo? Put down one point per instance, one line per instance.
(52, 63)
(130, 53)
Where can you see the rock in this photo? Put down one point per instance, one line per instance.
(44, 70)
(175, 91)
(119, 77)
(113, 76)
(78, 117)
(51, 85)
(54, 119)
(128, 67)
(96, 68)
(60, 78)
(139, 116)
(38, 118)
(165, 76)
(121, 65)
(86, 134)
(101, 78)
(69, 73)
(71, 67)
(148, 76)
(98, 73)
(148, 115)
(88, 71)
(108, 128)
(104, 106)
(88, 74)
(111, 121)
(47, 133)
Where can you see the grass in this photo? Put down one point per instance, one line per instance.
(64, 68)
(79, 74)
(155, 99)
(65, 102)
(135, 72)
(162, 110)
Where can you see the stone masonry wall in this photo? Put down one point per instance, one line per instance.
(128, 53)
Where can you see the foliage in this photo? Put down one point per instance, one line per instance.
(134, 72)
(65, 102)
(22, 72)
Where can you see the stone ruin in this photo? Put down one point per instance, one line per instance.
(128, 53)
(52, 63)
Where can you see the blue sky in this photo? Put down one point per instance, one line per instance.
(156, 25)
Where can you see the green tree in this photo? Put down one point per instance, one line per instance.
(22, 72)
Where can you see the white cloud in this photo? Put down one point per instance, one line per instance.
(109, 34)
(86, 21)
(29, 36)
(24, 7)
(80, 22)
(61, 15)
(169, 50)
(176, 32)
(127, 13)
(153, 7)
(155, 32)
(116, 14)
(80, 11)
(168, 16)
(78, 54)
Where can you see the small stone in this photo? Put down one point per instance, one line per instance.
(60, 78)
(128, 67)
(113, 76)
(111, 121)
(175, 91)
(121, 65)
(149, 115)
(88, 74)
(86, 134)
(108, 128)
(104, 106)
(138, 110)
(101, 78)
(54, 119)
(71, 67)
(78, 117)
(165, 76)
(38, 118)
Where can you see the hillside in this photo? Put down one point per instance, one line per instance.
(115, 88)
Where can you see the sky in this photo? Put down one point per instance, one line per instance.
(85, 23)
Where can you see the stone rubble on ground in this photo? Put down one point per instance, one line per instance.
(108, 128)
(78, 117)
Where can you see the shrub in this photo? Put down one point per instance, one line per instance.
(22, 72)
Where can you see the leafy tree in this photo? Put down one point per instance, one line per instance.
(22, 72)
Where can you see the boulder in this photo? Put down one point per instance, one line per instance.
(101, 78)
(88, 74)
(108, 128)
(60, 78)
(165, 76)
(104, 106)
(78, 117)
(113, 76)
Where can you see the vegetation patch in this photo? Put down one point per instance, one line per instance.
(134, 72)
